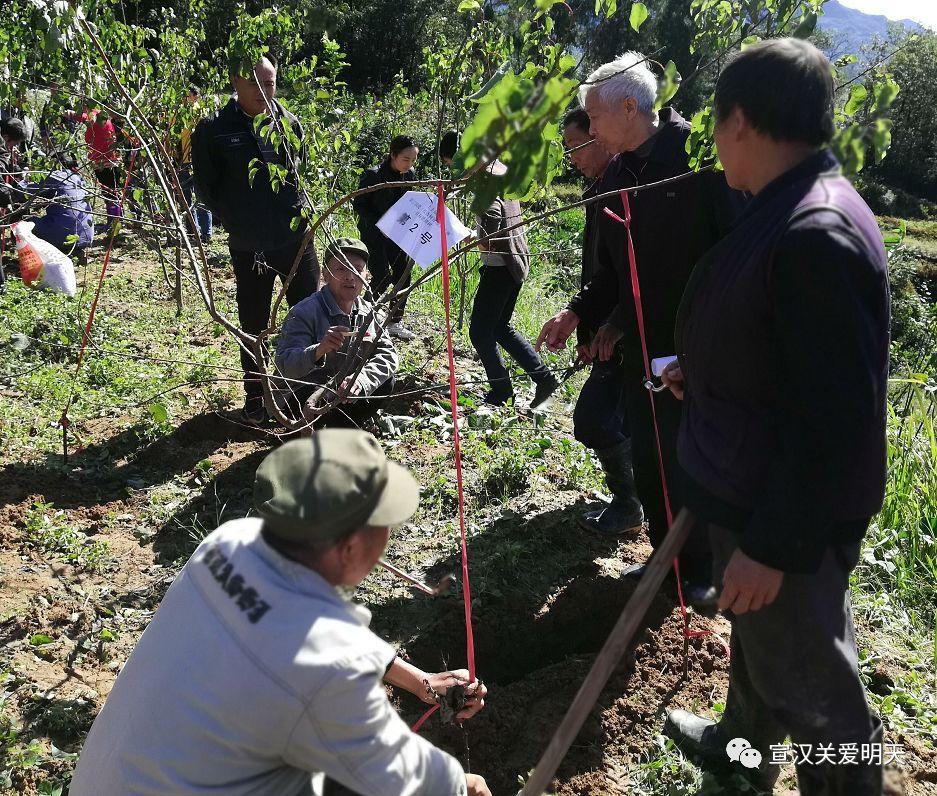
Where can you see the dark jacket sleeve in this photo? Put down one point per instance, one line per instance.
(830, 343)
(366, 205)
(205, 169)
(596, 299)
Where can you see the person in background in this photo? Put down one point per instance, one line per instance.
(783, 344)
(20, 110)
(319, 339)
(67, 223)
(600, 419)
(101, 138)
(265, 226)
(12, 136)
(257, 671)
(671, 227)
(200, 215)
(389, 264)
(505, 264)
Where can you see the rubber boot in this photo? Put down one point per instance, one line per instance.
(624, 513)
(706, 743)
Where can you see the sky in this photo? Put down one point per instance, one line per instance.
(923, 11)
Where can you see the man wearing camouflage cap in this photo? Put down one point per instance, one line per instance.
(255, 673)
(334, 331)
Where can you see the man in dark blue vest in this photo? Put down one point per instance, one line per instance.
(782, 338)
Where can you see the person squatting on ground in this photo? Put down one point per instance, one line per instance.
(600, 419)
(200, 215)
(389, 263)
(101, 138)
(258, 218)
(257, 672)
(671, 227)
(505, 263)
(783, 343)
(321, 332)
(67, 222)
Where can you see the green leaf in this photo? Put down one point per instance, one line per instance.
(40, 639)
(639, 13)
(881, 138)
(895, 237)
(667, 86)
(808, 23)
(469, 5)
(159, 413)
(884, 93)
(857, 97)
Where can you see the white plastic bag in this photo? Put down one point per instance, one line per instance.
(41, 264)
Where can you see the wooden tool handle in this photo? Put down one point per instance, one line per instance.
(611, 653)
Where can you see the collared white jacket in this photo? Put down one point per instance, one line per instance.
(254, 674)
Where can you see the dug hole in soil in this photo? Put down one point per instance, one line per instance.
(534, 667)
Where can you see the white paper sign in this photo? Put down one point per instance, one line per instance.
(658, 364)
(411, 224)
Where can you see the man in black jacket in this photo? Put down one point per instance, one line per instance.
(252, 187)
(783, 341)
(600, 419)
(671, 227)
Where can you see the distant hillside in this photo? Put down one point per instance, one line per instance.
(854, 29)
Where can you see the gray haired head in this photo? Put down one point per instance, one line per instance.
(627, 76)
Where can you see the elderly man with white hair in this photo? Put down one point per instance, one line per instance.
(671, 227)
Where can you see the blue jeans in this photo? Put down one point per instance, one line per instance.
(490, 327)
(600, 419)
(201, 215)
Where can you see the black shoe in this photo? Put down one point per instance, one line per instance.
(544, 390)
(617, 518)
(634, 572)
(254, 413)
(705, 743)
(497, 397)
(702, 596)
(698, 738)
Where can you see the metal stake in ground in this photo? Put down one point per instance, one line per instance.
(611, 653)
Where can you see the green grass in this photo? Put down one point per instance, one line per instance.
(48, 531)
(122, 376)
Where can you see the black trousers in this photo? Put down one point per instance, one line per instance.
(111, 186)
(696, 557)
(389, 264)
(600, 419)
(254, 275)
(490, 326)
(794, 670)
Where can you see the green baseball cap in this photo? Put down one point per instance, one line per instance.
(319, 489)
(352, 245)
